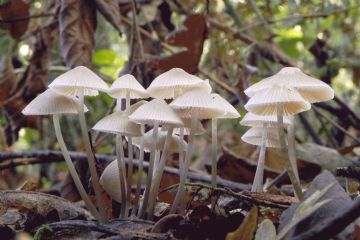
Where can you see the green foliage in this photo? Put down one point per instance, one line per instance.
(109, 62)
(6, 42)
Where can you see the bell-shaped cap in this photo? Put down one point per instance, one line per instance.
(254, 135)
(156, 111)
(266, 102)
(51, 102)
(175, 82)
(160, 141)
(199, 102)
(311, 89)
(110, 181)
(230, 111)
(118, 123)
(253, 120)
(127, 84)
(77, 80)
(135, 106)
(199, 128)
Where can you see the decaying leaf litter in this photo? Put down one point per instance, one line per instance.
(208, 207)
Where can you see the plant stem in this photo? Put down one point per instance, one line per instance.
(291, 146)
(91, 159)
(158, 173)
(72, 170)
(295, 183)
(184, 171)
(150, 172)
(140, 172)
(259, 174)
(122, 168)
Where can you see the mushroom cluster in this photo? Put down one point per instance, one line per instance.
(167, 124)
(272, 105)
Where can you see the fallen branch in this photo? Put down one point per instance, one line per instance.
(13, 159)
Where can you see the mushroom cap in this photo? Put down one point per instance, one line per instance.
(118, 123)
(127, 83)
(51, 102)
(110, 181)
(230, 111)
(267, 101)
(252, 120)
(199, 102)
(77, 80)
(311, 89)
(199, 128)
(253, 136)
(174, 83)
(160, 141)
(156, 111)
(135, 106)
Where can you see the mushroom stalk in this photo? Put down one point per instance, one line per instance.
(158, 173)
(150, 172)
(295, 183)
(181, 148)
(121, 166)
(91, 159)
(140, 172)
(130, 173)
(214, 157)
(184, 170)
(73, 172)
(291, 143)
(157, 158)
(259, 174)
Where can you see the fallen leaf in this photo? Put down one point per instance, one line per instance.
(266, 231)
(15, 9)
(247, 228)
(77, 22)
(111, 11)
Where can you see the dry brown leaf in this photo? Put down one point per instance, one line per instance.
(77, 21)
(111, 11)
(15, 9)
(247, 228)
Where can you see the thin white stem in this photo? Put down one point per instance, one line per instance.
(181, 148)
(91, 159)
(158, 173)
(213, 157)
(129, 174)
(295, 183)
(156, 160)
(184, 171)
(127, 103)
(150, 172)
(72, 170)
(259, 174)
(122, 168)
(118, 104)
(140, 172)
(291, 146)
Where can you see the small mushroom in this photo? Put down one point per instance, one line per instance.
(196, 104)
(80, 82)
(280, 100)
(118, 123)
(55, 104)
(155, 112)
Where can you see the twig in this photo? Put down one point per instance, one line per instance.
(11, 20)
(335, 124)
(338, 223)
(268, 200)
(310, 129)
(10, 160)
(350, 172)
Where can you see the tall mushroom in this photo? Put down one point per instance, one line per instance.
(55, 104)
(280, 100)
(129, 88)
(156, 113)
(196, 104)
(80, 82)
(118, 123)
(311, 89)
(261, 123)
